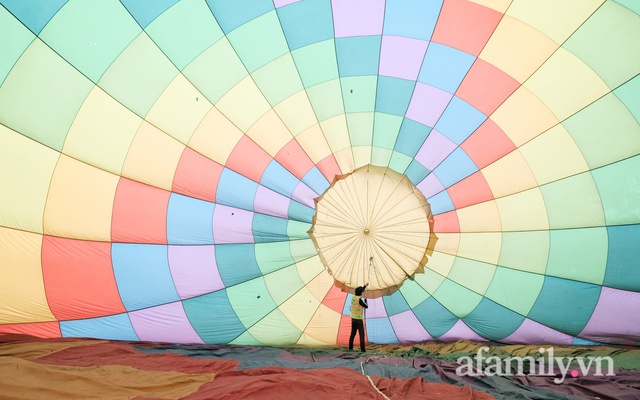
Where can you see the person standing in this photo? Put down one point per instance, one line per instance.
(358, 304)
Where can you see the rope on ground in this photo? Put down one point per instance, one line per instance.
(371, 381)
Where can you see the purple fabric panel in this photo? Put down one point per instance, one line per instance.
(430, 186)
(304, 194)
(461, 331)
(427, 104)
(616, 318)
(194, 270)
(280, 3)
(376, 308)
(357, 17)
(401, 57)
(232, 225)
(408, 328)
(531, 332)
(271, 203)
(435, 149)
(165, 323)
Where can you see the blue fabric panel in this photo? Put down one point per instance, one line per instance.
(394, 95)
(358, 55)
(316, 181)
(622, 260)
(237, 263)
(411, 137)
(278, 179)
(416, 172)
(300, 212)
(145, 11)
(455, 168)
(441, 203)
(142, 275)
(445, 67)
(113, 327)
(411, 18)
(379, 330)
(436, 319)
(189, 220)
(206, 312)
(266, 228)
(34, 14)
(493, 321)
(236, 190)
(232, 14)
(395, 304)
(459, 120)
(306, 22)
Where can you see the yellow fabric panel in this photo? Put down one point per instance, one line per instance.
(26, 167)
(525, 251)
(556, 19)
(517, 48)
(361, 155)
(482, 246)
(270, 133)
(22, 295)
(523, 116)
(80, 201)
(475, 276)
(179, 109)
(566, 84)
(215, 137)
(102, 132)
(244, 104)
(523, 211)
(513, 165)
(498, 5)
(300, 308)
(309, 269)
(274, 329)
(553, 155)
(440, 263)
(481, 217)
(320, 285)
(324, 325)
(153, 157)
(344, 159)
(296, 113)
(447, 242)
(337, 134)
(430, 281)
(308, 341)
(314, 143)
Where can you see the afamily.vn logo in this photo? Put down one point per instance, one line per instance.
(545, 365)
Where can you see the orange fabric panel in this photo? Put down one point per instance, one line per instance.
(197, 176)
(139, 213)
(487, 144)
(473, 189)
(248, 159)
(329, 168)
(79, 279)
(294, 159)
(344, 331)
(335, 299)
(40, 329)
(486, 87)
(465, 25)
(446, 222)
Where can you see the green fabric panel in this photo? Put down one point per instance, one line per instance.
(360, 127)
(326, 99)
(267, 228)
(614, 56)
(605, 131)
(526, 251)
(435, 318)
(82, 33)
(302, 249)
(413, 293)
(632, 5)
(278, 79)
(622, 261)
(573, 202)
(273, 256)
(297, 229)
(283, 284)
(429, 280)
(619, 187)
(246, 340)
(184, 31)
(385, 130)
(472, 274)
(515, 290)
(11, 50)
(399, 162)
(578, 254)
(41, 96)
(459, 300)
(275, 330)
(205, 313)
(394, 95)
(259, 41)
(380, 156)
(251, 301)
(359, 93)
(628, 94)
(316, 63)
(565, 305)
(221, 61)
(493, 321)
(139, 75)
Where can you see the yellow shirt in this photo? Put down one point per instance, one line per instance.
(356, 309)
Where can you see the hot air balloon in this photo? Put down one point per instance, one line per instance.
(166, 168)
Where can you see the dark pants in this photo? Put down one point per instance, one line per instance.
(357, 325)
